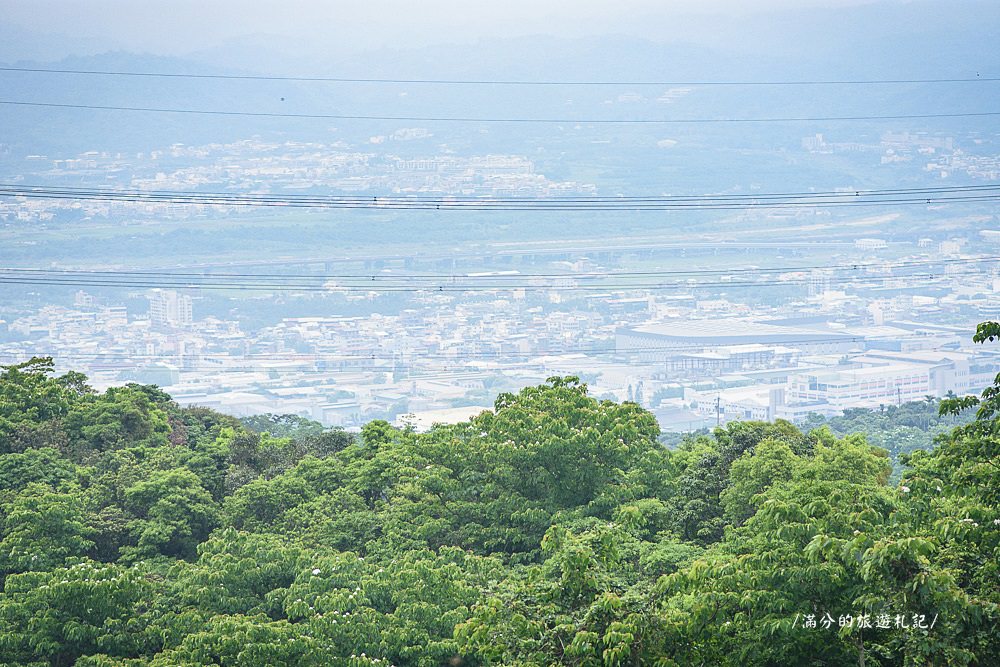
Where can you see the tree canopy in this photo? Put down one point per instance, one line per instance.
(553, 529)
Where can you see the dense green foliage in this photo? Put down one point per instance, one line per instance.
(553, 529)
(899, 429)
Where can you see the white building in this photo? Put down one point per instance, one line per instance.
(866, 386)
(168, 308)
(762, 402)
(870, 244)
(425, 420)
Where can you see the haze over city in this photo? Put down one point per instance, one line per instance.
(521, 333)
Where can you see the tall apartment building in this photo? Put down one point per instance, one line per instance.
(168, 308)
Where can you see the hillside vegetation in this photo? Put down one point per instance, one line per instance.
(552, 530)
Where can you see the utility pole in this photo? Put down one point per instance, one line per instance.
(718, 410)
(899, 396)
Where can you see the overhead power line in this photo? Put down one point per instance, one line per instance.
(498, 82)
(410, 355)
(311, 279)
(429, 198)
(470, 119)
(900, 196)
(457, 286)
(799, 194)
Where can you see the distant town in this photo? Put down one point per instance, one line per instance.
(882, 322)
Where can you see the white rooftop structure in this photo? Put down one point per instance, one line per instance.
(424, 420)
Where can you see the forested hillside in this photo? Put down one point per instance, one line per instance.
(552, 530)
(899, 429)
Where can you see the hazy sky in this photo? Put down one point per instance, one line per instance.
(178, 27)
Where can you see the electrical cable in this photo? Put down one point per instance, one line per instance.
(496, 82)
(469, 119)
(919, 196)
(874, 282)
(377, 277)
(417, 355)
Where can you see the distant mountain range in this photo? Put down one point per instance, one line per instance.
(904, 41)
